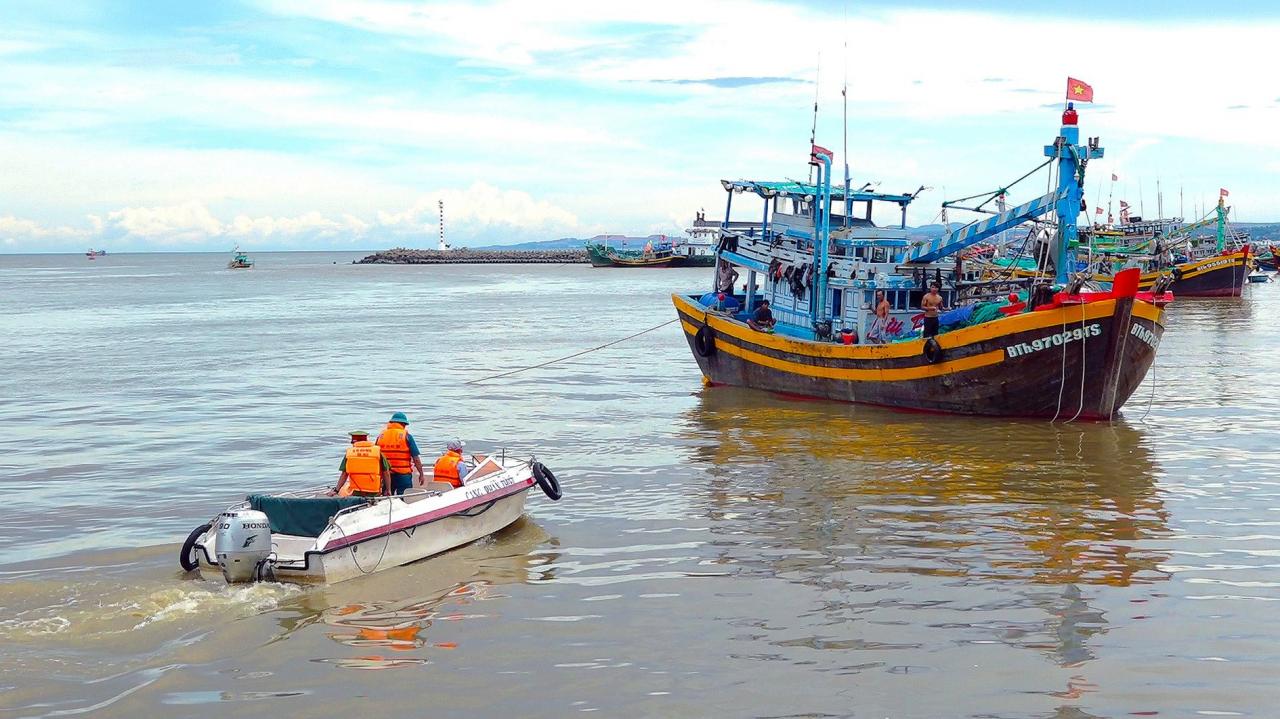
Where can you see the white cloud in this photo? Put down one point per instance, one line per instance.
(478, 214)
(187, 223)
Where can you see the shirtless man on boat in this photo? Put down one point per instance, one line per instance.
(931, 303)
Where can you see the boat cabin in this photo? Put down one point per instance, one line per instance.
(867, 252)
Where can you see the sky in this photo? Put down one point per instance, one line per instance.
(320, 124)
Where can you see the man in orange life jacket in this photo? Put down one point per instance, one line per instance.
(451, 467)
(399, 448)
(364, 471)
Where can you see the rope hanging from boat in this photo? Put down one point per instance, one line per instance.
(575, 354)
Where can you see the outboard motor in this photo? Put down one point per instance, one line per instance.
(243, 544)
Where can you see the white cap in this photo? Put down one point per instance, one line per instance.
(455, 444)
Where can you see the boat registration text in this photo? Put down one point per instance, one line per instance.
(1054, 340)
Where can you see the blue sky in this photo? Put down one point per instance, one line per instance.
(292, 124)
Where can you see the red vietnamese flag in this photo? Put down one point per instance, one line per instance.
(1222, 192)
(820, 150)
(1079, 91)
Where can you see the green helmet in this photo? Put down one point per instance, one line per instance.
(399, 417)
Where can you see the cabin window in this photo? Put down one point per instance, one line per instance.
(878, 255)
(837, 303)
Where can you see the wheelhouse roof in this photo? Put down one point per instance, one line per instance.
(805, 191)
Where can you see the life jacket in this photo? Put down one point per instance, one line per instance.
(364, 468)
(446, 469)
(394, 442)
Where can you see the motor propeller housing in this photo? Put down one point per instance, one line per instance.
(243, 544)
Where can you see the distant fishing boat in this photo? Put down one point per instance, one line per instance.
(1047, 351)
(1269, 260)
(1259, 277)
(1167, 252)
(94, 254)
(695, 249)
(240, 261)
(656, 251)
(1170, 254)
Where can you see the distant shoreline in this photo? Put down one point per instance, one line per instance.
(466, 256)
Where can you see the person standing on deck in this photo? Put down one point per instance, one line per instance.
(451, 467)
(932, 305)
(400, 449)
(879, 331)
(364, 471)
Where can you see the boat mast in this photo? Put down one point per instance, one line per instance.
(1071, 157)
(822, 235)
(844, 94)
(1222, 224)
(813, 132)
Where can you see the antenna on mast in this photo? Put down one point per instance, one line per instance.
(813, 133)
(844, 95)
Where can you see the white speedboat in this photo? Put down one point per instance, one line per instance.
(309, 537)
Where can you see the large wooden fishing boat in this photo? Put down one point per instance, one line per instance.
(1055, 352)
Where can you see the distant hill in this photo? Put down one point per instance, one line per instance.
(564, 243)
(1260, 231)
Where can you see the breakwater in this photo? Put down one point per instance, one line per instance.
(464, 256)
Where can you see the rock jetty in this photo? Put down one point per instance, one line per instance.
(464, 256)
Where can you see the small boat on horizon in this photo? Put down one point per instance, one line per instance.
(240, 261)
(94, 254)
(312, 537)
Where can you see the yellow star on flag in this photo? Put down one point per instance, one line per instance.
(1079, 90)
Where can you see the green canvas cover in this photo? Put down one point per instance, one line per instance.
(301, 516)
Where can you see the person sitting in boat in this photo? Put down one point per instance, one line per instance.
(452, 467)
(398, 447)
(762, 320)
(931, 304)
(365, 471)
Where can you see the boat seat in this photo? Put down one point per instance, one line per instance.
(430, 489)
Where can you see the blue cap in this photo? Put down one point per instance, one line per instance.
(399, 417)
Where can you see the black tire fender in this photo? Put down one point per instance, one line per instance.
(546, 479)
(1177, 273)
(933, 351)
(185, 559)
(704, 342)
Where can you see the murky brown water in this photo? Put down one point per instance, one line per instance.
(718, 553)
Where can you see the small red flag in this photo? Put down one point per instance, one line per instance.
(1098, 211)
(820, 150)
(1115, 177)
(1222, 192)
(1079, 91)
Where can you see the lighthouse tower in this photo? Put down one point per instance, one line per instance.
(443, 245)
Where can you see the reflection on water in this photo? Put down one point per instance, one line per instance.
(856, 502)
